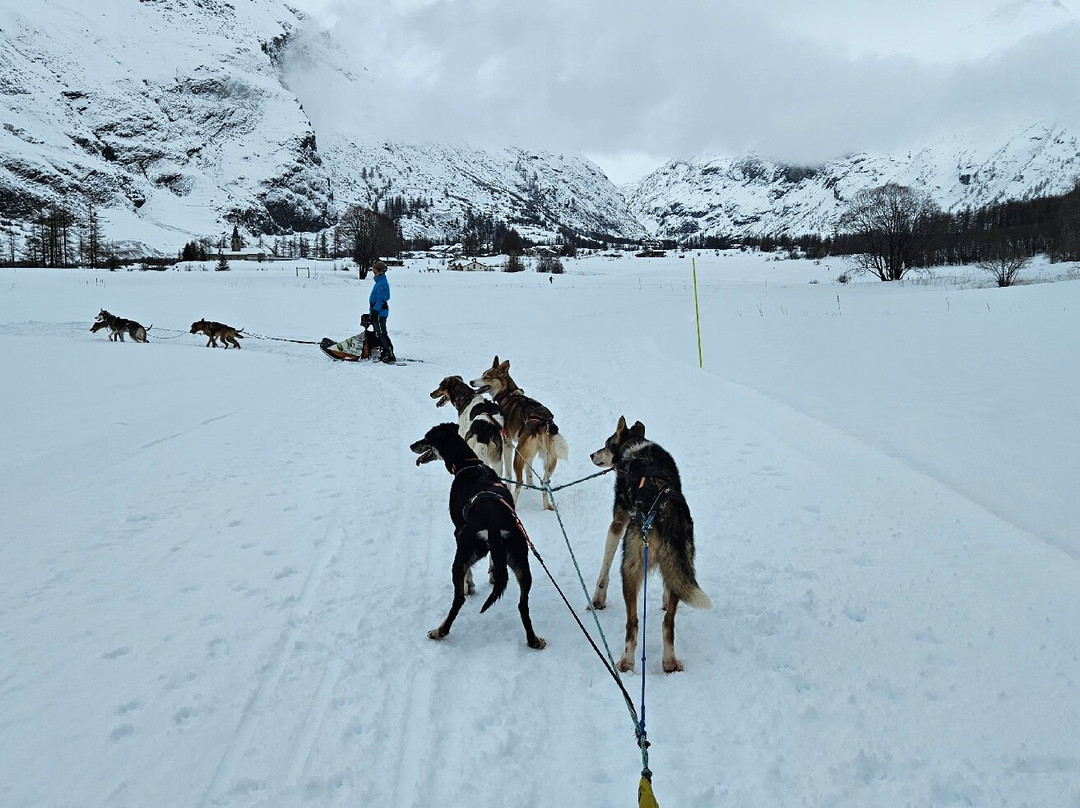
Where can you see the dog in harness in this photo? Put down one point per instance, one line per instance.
(485, 522)
(480, 422)
(649, 511)
(529, 425)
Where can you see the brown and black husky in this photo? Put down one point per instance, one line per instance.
(529, 425)
(118, 326)
(215, 331)
(647, 487)
(484, 522)
(480, 422)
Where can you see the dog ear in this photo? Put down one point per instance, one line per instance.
(505, 365)
(638, 430)
(621, 426)
(495, 362)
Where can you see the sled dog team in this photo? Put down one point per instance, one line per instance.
(510, 429)
(118, 326)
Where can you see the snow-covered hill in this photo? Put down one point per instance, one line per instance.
(749, 195)
(178, 118)
(173, 112)
(539, 193)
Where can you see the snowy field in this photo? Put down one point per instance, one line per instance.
(217, 569)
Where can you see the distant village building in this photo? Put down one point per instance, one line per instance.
(253, 254)
(459, 265)
(540, 250)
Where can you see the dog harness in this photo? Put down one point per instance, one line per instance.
(496, 491)
(663, 491)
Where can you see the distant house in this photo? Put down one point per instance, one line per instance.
(459, 265)
(650, 253)
(253, 254)
(540, 250)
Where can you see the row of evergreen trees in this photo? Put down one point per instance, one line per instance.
(59, 235)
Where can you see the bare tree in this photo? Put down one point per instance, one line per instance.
(1004, 261)
(367, 234)
(892, 224)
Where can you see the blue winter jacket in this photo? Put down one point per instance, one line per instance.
(380, 296)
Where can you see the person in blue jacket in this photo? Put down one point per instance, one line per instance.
(379, 306)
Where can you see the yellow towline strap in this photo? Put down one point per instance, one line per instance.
(645, 794)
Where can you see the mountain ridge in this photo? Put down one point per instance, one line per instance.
(181, 118)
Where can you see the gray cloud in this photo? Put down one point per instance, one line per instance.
(618, 78)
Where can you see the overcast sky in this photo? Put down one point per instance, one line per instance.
(632, 84)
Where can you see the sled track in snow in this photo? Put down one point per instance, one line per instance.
(275, 666)
(800, 436)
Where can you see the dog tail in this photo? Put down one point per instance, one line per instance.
(558, 443)
(679, 575)
(499, 575)
(696, 599)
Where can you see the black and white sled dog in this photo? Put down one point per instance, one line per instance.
(648, 490)
(480, 422)
(482, 511)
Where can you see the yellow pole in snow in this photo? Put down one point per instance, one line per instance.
(697, 314)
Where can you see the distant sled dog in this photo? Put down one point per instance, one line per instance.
(529, 425)
(647, 486)
(118, 326)
(217, 331)
(482, 511)
(480, 422)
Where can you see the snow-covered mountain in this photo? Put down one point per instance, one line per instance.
(176, 118)
(172, 111)
(749, 195)
(180, 118)
(538, 193)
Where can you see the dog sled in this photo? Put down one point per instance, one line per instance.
(362, 347)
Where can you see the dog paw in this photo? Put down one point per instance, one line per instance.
(599, 602)
(436, 634)
(538, 643)
(672, 665)
(626, 665)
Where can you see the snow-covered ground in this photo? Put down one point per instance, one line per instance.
(217, 569)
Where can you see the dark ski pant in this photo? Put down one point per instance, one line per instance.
(378, 324)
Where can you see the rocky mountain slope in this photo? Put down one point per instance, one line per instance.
(180, 118)
(749, 195)
(169, 110)
(538, 193)
(175, 117)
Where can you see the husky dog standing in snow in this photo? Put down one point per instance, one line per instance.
(648, 492)
(218, 331)
(118, 326)
(480, 422)
(529, 424)
(484, 522)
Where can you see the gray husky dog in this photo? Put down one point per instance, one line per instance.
(648, 491)
(118, 326)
